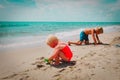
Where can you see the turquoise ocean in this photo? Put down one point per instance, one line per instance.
(21, 34)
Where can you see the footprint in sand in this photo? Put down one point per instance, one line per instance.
(88, 55)
(56, 75)
(24, 78)
(40, 66)
(41, 58)
(92, 74)
(61, 70)
(10, 76)
(39, 63)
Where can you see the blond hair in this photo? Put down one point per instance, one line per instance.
(51, 39)
(100, 29)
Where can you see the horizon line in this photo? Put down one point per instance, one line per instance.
(59, 21)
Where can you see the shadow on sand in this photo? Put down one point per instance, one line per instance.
(64, 64)
(100, 44)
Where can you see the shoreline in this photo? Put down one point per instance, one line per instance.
(37, 41)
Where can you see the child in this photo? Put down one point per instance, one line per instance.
(84, 36)
(61, 50)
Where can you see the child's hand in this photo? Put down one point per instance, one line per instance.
(99, 42)
(95, 43)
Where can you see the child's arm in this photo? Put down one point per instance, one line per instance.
(76, 42)
(93, 35)
(55, 53)
(98, 38)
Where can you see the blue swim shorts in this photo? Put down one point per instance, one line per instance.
(83, 36)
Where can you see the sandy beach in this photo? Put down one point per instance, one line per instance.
(89, 62)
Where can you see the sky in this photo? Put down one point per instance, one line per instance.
(60, 10)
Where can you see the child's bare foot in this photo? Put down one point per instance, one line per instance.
(69, 43)
(56, 63)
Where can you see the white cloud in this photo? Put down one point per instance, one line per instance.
(65, 10)
(116, 6)
(65, 3)
(65, 6)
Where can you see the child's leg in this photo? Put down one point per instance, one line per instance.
(57, 60)
(77, 42)
(63, 57)
(58, 56)
(86, 42)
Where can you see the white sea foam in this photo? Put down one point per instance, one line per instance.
(22, 42)
(67, 35)
(111, 28)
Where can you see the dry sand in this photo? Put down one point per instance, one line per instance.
(100, 62)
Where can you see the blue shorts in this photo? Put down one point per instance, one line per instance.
(83, 36)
